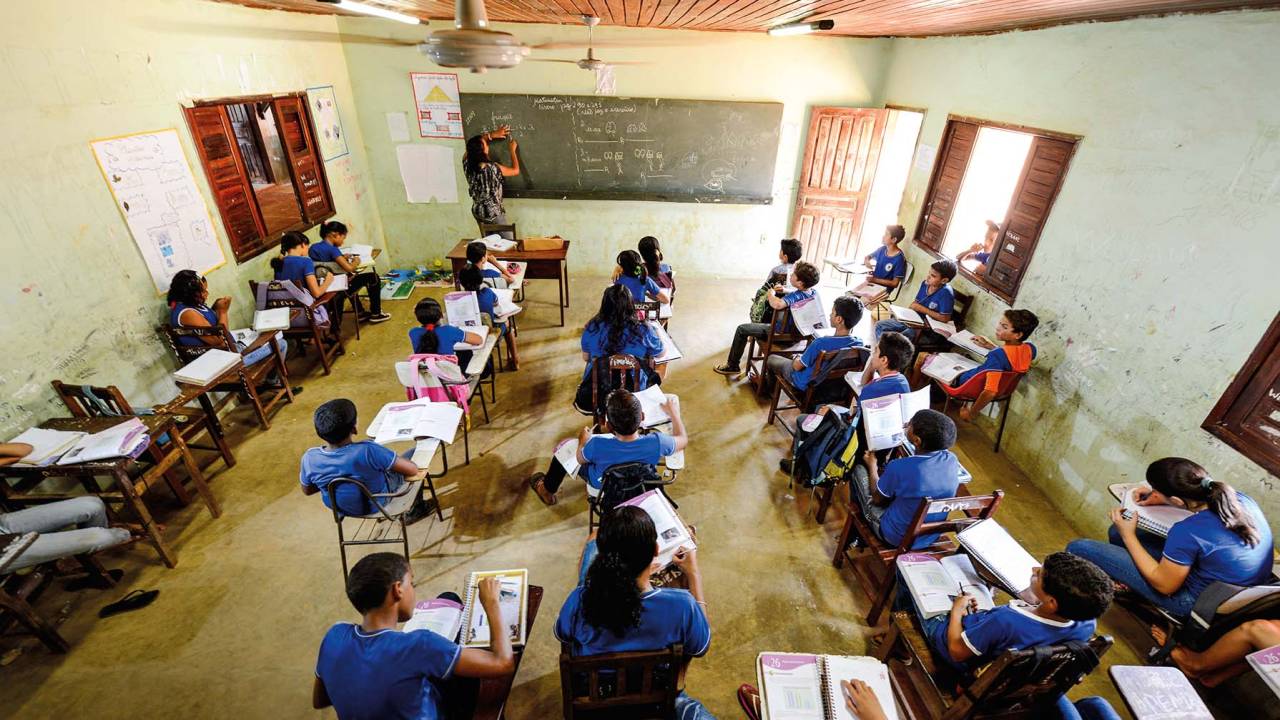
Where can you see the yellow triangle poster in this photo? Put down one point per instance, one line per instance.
(438, 95)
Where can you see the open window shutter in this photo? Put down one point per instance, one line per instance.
(1247, 416)
(948, 173)
(227, 178)
(304, 159)
(1032, 199)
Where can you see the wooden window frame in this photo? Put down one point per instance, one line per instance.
(982, 283)
(247, 250)
(1227, 421)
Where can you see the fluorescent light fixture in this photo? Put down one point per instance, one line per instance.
(802, 28)
(359, 7)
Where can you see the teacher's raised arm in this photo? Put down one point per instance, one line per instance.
(484, 176)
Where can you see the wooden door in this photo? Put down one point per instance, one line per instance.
(840, 159)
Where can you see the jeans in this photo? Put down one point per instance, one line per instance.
(861, 486)
(264, 352)
(759, 331)
(780, 365)
(688, 708)
(1090, 708)
(88, 514)
(893, 325)
(1116, 562)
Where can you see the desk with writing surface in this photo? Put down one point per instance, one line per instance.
(542, 265)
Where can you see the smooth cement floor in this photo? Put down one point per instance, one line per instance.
(235, 629)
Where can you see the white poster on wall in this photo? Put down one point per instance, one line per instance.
(435, 96)
(151, 181)
(428, 173)
(924, 156)
(324, 112)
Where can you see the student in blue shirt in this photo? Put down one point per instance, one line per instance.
(624, 420)
(618, 610)
(630, 273)
(478, 255)
(435, 338)
(982, 251)
(471, 280)
(294, 265)
(1227, 539)
(342, 456)
(934, 299)
(329, 249)
(803, 278)
(888, 264)
(890, 501)
(370, 670)
(660, 272)
(188, 293)
(1072, 593)
(846, 312)
(616, 330)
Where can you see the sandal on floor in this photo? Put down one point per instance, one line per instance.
(749, 699)
(535, 482)
(135, 600)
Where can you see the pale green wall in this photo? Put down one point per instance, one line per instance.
(78, 301)
(734, 240)
(1155, 275)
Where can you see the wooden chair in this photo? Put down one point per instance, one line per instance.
(245, 380)
(18, 591)
(878, 306)
(1018, 684)
(507, 230)
(277, 295)
(621, 685)
(781, 337)
(873, 560)
(378, 527)
(1000, 388)
(622, 372)
(828, 372)
(929, 341)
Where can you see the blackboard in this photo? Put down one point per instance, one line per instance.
(613, 148)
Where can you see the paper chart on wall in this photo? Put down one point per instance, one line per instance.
(439, 106)
(398, 127)
(151, 181)
(427, 172)
(324, 112)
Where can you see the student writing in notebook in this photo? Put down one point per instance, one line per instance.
(660, 272)
(478, 255)
(616, 330)
(630, 273)
(888, 264)
(624, 419)
(803, 278)
(188, 295)
(1015, 354)
(293, 264)
(471, 280)
(618, 610)
(329, 250)
(890, 500)
(372, 670)
(858, 696)
(934, 299)
(846, 312)
(433, 337)
(981, 252)
(1226, 539)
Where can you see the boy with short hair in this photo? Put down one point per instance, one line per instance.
(804, 277)
(982, 251)
(789, 253)
(472, 280)
(846, 312)
(935, 299)
(1014, 355)
(373, 670)
(478, 255)
(888, 264)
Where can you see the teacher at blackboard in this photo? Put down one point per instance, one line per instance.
(484, 176)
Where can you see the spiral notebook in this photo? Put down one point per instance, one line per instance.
(798, 686)
(513, 600)
(1158, 519)
(992, 547)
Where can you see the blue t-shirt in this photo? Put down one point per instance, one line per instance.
(942, 300)
(1015, 626)
(801, 378)
(640, 341)
(796, 296)
(667, 617)
(297, 268)
(906, 481)
(448, 336)
(488, 301)
(366, 461)
(1215, 553)
(389, 674)
(175, 319)
(324, 251)
(639, 287)
(895, 384)
(603, 453)
(996, 360)
(887, 267)
(982, 257)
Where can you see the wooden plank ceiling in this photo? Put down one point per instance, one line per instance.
(854, 18)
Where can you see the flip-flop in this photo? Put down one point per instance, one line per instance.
(93, 581)
(749, 699)
(135, 600)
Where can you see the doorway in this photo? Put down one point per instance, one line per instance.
(902, 131)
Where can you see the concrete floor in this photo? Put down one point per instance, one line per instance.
(235, 630)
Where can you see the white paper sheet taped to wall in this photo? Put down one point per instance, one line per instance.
(428, 173)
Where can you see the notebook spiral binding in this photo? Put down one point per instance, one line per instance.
(828, 692)
(464, 634)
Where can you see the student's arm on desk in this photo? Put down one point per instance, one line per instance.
(13, 452)
(664, 296)
(498, 660)
(471, 338)
(319, 288)
(502, 270)
(672, 406)
(319, 695)
(873, 479)
(346, 265)
(1165, 575)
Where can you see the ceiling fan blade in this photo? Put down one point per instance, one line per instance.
(571, 62)
(575, 45)
(628, 62)
(246, 31)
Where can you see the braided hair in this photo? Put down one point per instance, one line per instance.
(627, 542)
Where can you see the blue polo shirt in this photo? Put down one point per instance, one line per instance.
(895, 384)
(296, 268)
(667, 616)
(800, 378)
(175, 319)
(603, 452)
(446, 335)
(488, 301)
(364, 460)
(905, 482)
(982, 257)
(387, 674)
(639, 287)
(996, 360)
(1215, 553)
(324, 251)
(1015, 626)
(942, 300)
(796, 296)
(886, 266)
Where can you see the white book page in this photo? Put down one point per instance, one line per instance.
(906, 315)
(868, 670)
(440, 616)
(511, 599)
(438, 420)
(882, 422)
(462, 310)
(651, 400)
(669, 350)
(340, 283)
(961, 569)
(914, 402)
(946, 367)
(996, 548)
(967, 340)
(506, 305)
(1156, 518)
(672, 533)
(272, 319)
(808, 316)
(567, 454)
(945, 329)
(930, 585)
(398, 421)
(46, 445)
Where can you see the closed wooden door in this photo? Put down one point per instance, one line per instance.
(840, 159)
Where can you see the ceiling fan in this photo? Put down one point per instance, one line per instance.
(590, 62)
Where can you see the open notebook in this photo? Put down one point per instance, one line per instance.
(513, 601)
(797, 686)
(884, 419)
(934, 583)
(672, 532)
(946, 367)
(1156, 519)
(441, 616)
(992, 547)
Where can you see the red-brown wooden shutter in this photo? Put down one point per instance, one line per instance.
(944, 187)
(308, 170)
(1033, 197)
(227, 178)
(1247, 416)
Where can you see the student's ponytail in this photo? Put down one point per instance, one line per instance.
(652, 254)
(631, 264)
(288, 241)
(428, 313)
(627, 543)
(1182, 478)
(277, 263)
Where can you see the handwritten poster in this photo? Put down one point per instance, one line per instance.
(151, 181)
(435, 97)
(324, 111)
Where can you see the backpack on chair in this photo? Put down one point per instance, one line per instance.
(826, 452)
(622, 482)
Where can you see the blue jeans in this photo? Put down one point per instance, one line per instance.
(1116, 562)
(87, 514)
(688, 708)
(264, 352)
(588, 554)
(1090, 708)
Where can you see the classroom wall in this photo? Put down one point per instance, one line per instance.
(731, 240)
(78, 302)
(1154, 277)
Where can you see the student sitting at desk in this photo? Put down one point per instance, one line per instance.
(1226, 539)
(188, 293)
(471, 280)
(618, 610)
(934, 299)
(1015, 354)
(372, 670)
(846, 312)
(982, 252)
(624, 420)
(329, 250)
(378, 468)
(293, 264)
(660, 272)
(478, 255)
(435, 338)
(888, 264)
(617, 330)
(630, 273)
(803, 278)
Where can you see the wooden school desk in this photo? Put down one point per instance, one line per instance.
(491, 698)
(543, 265)
(129, 489)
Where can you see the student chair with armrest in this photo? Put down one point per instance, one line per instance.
(344, 297)
(613, 372)
(879, 307)
(314, 328)
(1022, 683)
(617, 686)
(1220, 608)
(872, 560)
(380, 526)
(998, 387)
(826, 385)
(928, 341)
(445, 389)
(19, 590)
(249, 381)
(782, 339)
